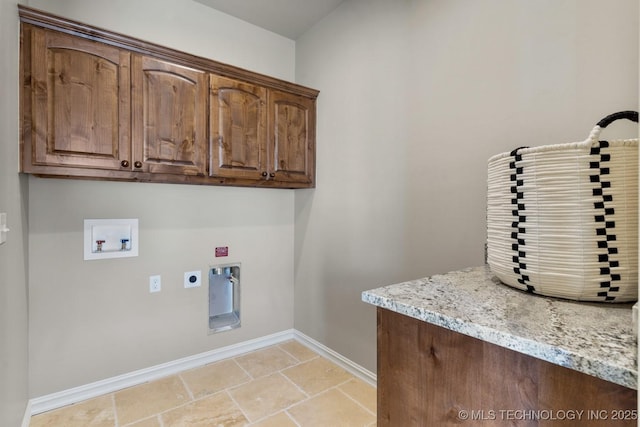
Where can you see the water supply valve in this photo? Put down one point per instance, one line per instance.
(110, 238)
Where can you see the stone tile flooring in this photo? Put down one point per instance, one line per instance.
(279, 386)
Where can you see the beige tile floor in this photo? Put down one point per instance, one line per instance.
(285, 385)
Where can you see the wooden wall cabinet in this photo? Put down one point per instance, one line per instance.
(261, 134)
(75, 103)
(100, 105)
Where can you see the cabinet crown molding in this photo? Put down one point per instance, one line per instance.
(54, 22)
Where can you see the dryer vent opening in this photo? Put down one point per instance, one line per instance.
(224, 298)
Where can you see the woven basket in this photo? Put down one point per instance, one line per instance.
(562, 220)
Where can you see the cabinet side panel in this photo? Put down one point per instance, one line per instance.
(26, 118)
(603, 403)
(401, 373)
(39, 97)
(431, 376)
(509, 382)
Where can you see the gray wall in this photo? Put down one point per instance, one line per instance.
(91, 320)
(416, 96)
(13, 259)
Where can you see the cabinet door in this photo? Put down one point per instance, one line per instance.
(238, 133)
(77, 111)
(291, 138)
(169, 104)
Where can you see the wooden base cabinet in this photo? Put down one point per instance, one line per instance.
(430, 376)
(100, 105)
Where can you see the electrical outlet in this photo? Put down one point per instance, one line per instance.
(192, 279)
(155, 284)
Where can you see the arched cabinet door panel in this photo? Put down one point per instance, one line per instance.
(169, 120)
(291, 138)
(237, 121)
(76, 107)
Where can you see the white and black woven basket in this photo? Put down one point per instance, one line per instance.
(562, 220)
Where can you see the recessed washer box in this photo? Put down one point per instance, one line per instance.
(224, 297)
(110, 238)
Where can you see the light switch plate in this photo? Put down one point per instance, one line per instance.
(3, 227)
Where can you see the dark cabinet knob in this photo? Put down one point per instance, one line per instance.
(272, 174)
(124, 163)
(264, 174)
(138, 164)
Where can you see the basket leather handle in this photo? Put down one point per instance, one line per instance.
(629, 115)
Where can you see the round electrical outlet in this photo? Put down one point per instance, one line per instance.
(191, 279)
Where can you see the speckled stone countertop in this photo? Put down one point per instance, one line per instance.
(594, 338)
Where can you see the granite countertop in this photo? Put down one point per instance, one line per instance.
(594, 338)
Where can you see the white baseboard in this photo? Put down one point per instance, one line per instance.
(62, 398)
(348, 365)
(26, 420)
(109, 385)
